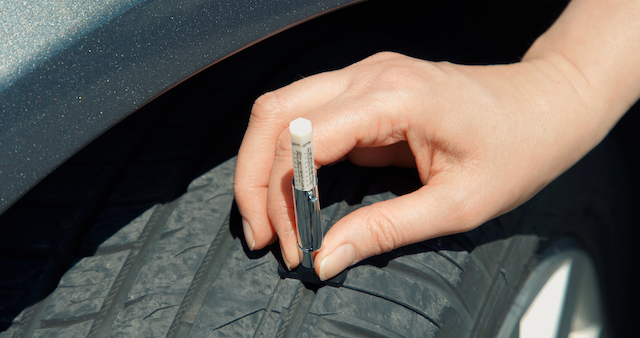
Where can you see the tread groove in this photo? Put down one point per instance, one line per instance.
(438, 252)
(33, 315)
(115, 299)
(203, 280)
(270, 306)
(465, 243)
(296, 313)
(45, 324)
(515, 248)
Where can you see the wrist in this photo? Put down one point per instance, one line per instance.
(573, 93)
(595, 44)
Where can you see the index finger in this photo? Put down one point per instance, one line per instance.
(270, 115)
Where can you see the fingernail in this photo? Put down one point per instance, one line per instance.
(248, 234)
(286, 262)
(340, 259)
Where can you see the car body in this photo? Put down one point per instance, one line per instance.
(72, 69)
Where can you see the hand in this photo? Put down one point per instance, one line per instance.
(484, 139)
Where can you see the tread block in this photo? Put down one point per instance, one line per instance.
(349, 313)
(116, 229)
(409, 294)
(169, 270)
(12, 303)
(243, 288)
(243, 327)
(220, 177)
(484, 254)
(464, 260)
(437, 273)
(472, 279)
(83, 288)
(8, 334)
(147, 316)
(279, 304)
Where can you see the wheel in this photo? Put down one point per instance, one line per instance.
(137, 235)
(561, 297)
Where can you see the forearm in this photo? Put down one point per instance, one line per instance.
(595, 44)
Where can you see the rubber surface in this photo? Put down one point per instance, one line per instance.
(185, 274)
(137, 235)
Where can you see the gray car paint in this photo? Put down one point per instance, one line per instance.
(94, 64)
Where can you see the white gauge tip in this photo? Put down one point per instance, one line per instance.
(304, 171)
(300, 127)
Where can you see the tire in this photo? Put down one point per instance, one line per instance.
(137, 235)
(181, 269)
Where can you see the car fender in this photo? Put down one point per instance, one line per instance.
(73, 85)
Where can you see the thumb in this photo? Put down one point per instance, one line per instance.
(431, 211)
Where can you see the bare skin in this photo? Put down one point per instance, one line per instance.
(484, 139)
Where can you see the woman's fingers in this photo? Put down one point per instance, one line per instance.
(344, 126)
(349, 108)
(270, 115)
(430, 212)
(280, 201)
